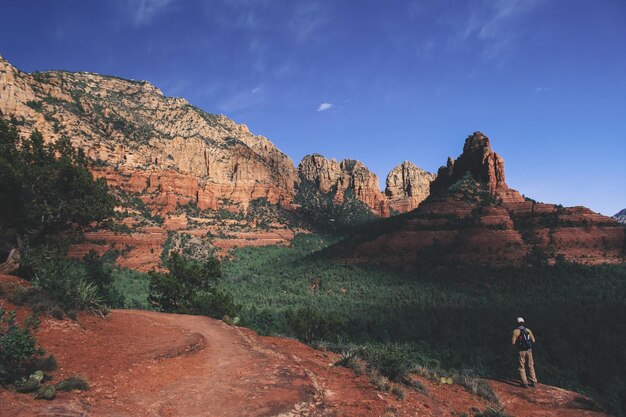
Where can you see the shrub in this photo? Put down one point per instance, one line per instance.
(398, 392)
(309, 324)
(393, 361)
(175, 291)
(66, 282)
(477, 386)
(47, 364)
(73, 383)
(492, 412)
(191, 287)
(214, 303)
(351, 360)
(18, 347)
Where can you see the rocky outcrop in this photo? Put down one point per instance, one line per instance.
(472, 216)
(132, 128)
(477, 160)
(621, 216)
(345, 179)
(407, 186)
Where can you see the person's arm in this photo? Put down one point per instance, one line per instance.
(515, 336)
(532, 336)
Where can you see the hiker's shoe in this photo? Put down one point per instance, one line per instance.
(524, 385)
(532, 384)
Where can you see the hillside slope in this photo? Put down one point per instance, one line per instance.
(143, 363)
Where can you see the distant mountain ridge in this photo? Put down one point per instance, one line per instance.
(472, 216)
(621, 216)
(183, 176)
(135, 132)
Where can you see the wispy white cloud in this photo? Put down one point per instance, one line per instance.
(238, 101)
(325, 106)
(541, 89)
(308, 21)
(494, 24)
(142, 12)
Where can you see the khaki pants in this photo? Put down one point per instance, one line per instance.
(526, 358)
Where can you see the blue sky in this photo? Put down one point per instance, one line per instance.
(378, 81)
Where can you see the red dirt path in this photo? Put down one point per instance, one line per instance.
(150, 364)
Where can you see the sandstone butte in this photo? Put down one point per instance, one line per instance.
(142, 363)
(472, 216)
(168, 153)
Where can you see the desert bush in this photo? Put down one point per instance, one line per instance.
(214, 303)
(476, 386)
(493, 412)
(191, 287)
(309, 324)
(18, 347)
(73, 383)
(393, 361)
(398, 392)
(44, 363)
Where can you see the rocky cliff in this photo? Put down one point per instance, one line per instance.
(407, 186)
(144, 140)
(621, 216)
(181, 175)
(472, 216)
(345, 179)
(478, 161)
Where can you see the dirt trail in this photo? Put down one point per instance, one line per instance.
(143, 363)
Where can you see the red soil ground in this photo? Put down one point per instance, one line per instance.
(141, 363)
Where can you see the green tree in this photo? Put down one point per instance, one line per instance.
(191, 287)
(47, 188)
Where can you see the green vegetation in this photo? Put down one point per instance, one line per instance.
(73, 383)
(19, 352)
(191, 287)
(326, 215)
(47, 188)
(450, 320)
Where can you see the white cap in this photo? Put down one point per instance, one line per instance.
(520, 320)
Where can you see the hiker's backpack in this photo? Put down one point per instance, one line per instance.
(523, 340)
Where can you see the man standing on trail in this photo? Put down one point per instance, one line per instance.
(524, 339)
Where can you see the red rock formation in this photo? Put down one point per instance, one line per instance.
(330, 176)
(477, 159)
(482, 220)
(407, 186)
(133, 130)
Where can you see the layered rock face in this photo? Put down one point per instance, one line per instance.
(472, 216)
(477, 160)
(153, 141)
(162, 157)
(407, 186)
(339, 178)
(621, 216)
